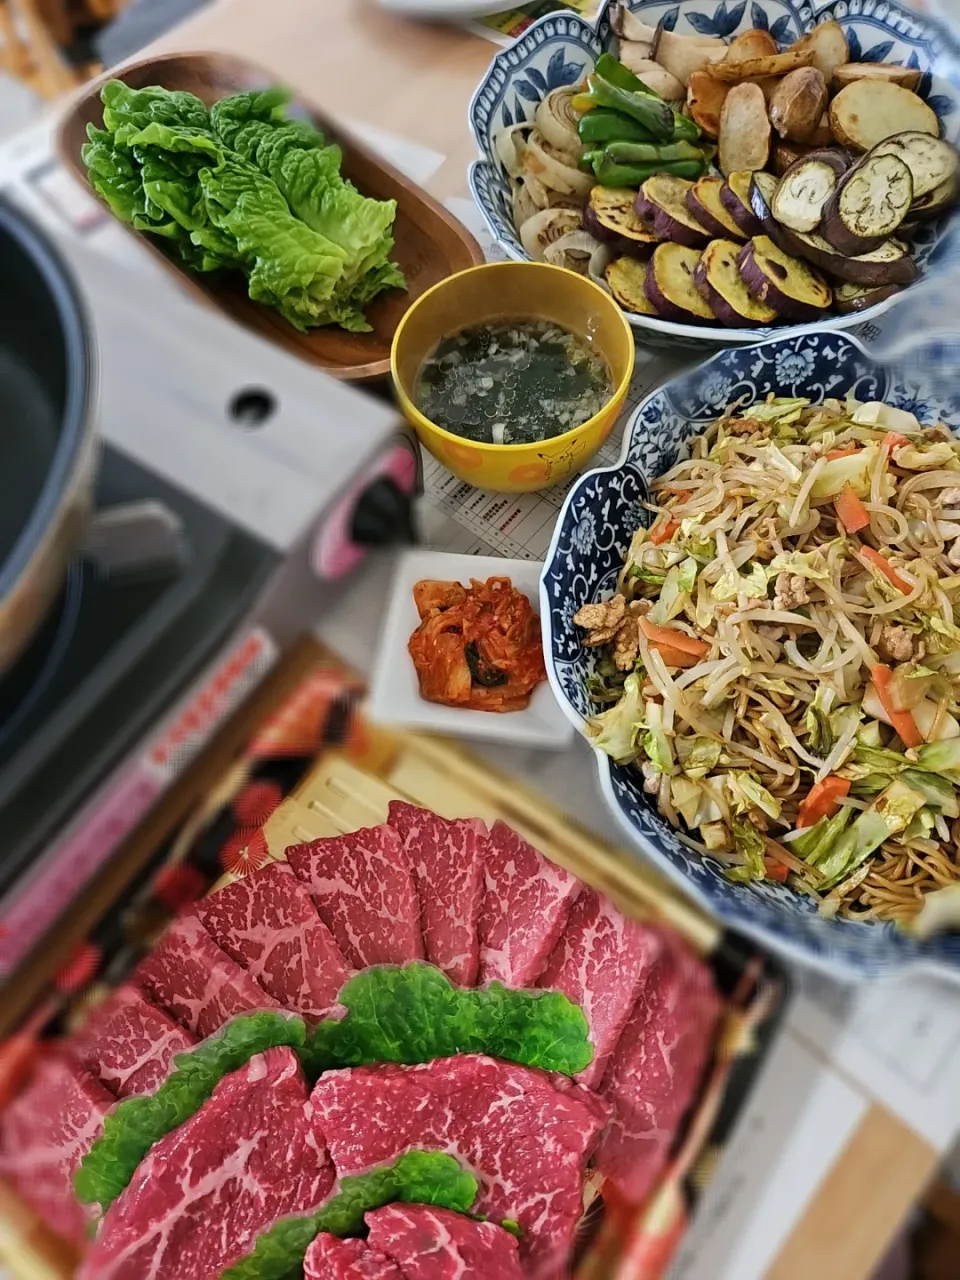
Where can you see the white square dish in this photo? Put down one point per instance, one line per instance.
(395, 692)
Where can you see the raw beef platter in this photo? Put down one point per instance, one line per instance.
(413, 1052)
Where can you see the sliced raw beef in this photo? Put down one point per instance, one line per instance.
(447, 862)
(46, 1132)
(330, 1258)
(436, 1244)
(655, 1069)
(129, 1044)
(198, 1200)
(601, 963)
(269, 925)
(192, 978)
(525, 1134)
(525, 906)
(364, 891)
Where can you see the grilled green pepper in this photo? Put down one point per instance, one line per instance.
(590, 159)
(611, 174)
(684, 129)
(614, 72)
(652, 113)
(604, 126)
(642, 153)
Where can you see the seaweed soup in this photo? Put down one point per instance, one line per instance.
(513, 381)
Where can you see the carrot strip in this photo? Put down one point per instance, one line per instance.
(902, 721)
(892, 440)
(671, 638)
(675, 657)
(848, 452)
(822, 801)
(663, 531)
(776, 870)
(851, 512)
(886, 568)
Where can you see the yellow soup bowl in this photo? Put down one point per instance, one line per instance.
(493, 293)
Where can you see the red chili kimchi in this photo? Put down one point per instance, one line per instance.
(476, 646)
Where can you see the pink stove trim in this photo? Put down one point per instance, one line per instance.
(113, 814)
(334, 554)
(43, 902)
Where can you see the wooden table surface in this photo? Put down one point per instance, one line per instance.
(415, 80)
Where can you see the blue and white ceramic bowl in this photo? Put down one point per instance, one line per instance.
(561, 49)
(589, 543)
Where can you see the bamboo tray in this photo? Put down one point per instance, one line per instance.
(430, 243)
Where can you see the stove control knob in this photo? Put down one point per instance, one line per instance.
(383, 515)
(377, 509)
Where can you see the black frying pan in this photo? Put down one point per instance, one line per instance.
(47, 436)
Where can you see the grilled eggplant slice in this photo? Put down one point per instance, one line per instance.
(670, 286)
(626, 277)
(849, 298)
(806, 187)
(735, 198)
(718, 278)
(867, 111)
(662, 204)
(931, 206)
(868, 205)
(889, 264)
(611, 217)
(787, 284)
(931, 161)
(703, 201)
(785, 154)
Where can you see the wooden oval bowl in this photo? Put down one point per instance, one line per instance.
(430, 243)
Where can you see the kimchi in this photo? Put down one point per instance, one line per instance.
(476, 646)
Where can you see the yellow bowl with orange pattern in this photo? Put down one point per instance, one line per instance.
(495, 292)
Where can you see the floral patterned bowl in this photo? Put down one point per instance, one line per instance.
(561, 48)
(591, 537)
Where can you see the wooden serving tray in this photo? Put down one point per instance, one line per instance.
(352, 787)
(430, 243)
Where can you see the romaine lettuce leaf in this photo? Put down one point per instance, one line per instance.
(229, 115)
(414, 1014)
(243, 186)
(135, 1124)
(419, 1177)
(140, 107)
(113, 174)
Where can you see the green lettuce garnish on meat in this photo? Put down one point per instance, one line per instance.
(415, 1014)
(419, 1177)
(135, 1124)
(242, 186)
